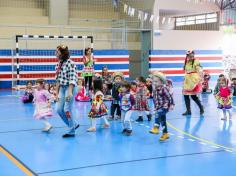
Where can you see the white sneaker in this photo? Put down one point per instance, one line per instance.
(47, 129)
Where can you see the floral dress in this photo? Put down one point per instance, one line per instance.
(192, 79)
(141, 99)
(98, 108)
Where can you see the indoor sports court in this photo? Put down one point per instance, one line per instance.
(117, 87)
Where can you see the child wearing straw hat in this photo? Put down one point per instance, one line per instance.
(163, 102)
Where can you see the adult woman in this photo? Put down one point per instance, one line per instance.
(88, 70)
(192, 82)
(66, 80)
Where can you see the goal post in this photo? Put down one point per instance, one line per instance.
(34, 56)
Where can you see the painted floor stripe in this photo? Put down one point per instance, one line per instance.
(200, 139)
(19, 164)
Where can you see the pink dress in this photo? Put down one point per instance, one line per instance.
(81, 95)
(41, 104)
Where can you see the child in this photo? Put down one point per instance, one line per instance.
(205, 84)
(141, 101)
(217, 87)
(133, 88)
(52, 91)
(126, 104)
(43, 108)
(169, 86)
(224, 98)
(107, 92)
(81, 95)
(233, 86)
(117, 78)
(28, 96)
(98, 109)
(47, 87)
(163, 102)
(149, 87)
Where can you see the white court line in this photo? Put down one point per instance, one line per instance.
(171, 134)
(215, 146)
(180, 137)
(202, 143)
(191, 140)
(142, 124)
(229, 151)
(148, 126)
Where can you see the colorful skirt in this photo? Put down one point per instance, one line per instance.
(192, 84)
(224, 103)
(98, 113)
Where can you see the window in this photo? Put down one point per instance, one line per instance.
(211, 20)
(190, 22)
(212, 15)
(197, 19)
(180, 24)
(200, 17)
(200, 21)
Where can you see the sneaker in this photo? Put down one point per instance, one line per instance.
(67, 135)
(47, 129)
(202, 111)
(224, 118)
(154, 130)
(149, 116)
(124, 131)
(77, 126)
(91, 129)
(164, 137)
(117, 117)
(186, 113)
(128, 132)
(110, 118)
(106, 125)
(140, 119)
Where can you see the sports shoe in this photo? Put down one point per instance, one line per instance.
(164, 137)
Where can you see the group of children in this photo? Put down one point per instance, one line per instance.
(126, 98)
(133, 97)
(28, 96)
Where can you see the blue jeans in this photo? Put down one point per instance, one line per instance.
(160, 119)
(64, 108)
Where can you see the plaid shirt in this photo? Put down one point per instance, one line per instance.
(162, 98)
(67, 73)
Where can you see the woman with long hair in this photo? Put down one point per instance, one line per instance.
(192, 82)
(66, 81)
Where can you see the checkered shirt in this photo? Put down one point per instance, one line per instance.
(67, 74)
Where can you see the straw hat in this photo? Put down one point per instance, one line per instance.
(160, 75)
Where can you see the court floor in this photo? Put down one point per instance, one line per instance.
(197, 145)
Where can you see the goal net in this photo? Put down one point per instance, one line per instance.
(34, 56)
